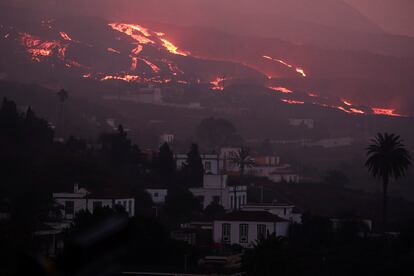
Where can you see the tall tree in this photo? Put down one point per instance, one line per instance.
(387, 158)
(243, 160)
(194, 168)
(166, 163)
(62, 96)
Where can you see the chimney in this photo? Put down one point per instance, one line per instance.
(76, 188)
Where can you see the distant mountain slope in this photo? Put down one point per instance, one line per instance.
(394, 16)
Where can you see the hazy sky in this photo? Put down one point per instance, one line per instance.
(396, 16)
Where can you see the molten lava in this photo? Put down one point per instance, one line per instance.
(113, 50)
(297, 69)
(292, 101)
(281, 89)
(385, 111)
(65, 36)
(38, 48)
(126, 77)
(134, 31)
(172, 48)
(218, 84)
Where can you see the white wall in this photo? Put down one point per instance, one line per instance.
(281, 229)
(158, 195)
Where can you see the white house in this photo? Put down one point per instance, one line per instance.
(158, 195)
(81, 199)
(211, 162)
(309, 123)
(245, 227)
(284, 210)
(215, 189)
(167, 138)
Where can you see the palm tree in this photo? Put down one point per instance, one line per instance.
(387, 158)
(243, 160)
(62, 95)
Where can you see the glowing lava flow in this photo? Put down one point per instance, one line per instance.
(65, 36)
(127, 78)
(131, 30)
(217, 84)
(113, 50)
(314, 95)
(172, 48)
(153, 67)
(385, 111)
(292, 101)
(38, 48)
(280, 89)
(297, 69)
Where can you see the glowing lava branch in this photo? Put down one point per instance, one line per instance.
(348, 103)
(113, 50)
(134, 31)
(314, 95)
(126, 77)
(38, 48)
(153, 67)
(280, 89)
(172, 48)
(385, 111)
(218, 84)
(297, 69)
(292, 101)
(65, 36)
(356, 111)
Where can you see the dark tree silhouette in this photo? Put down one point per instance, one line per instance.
(193, 168)
(243, 160)
(166, 164)
(213, 133)
(387, 158)
(62, 95)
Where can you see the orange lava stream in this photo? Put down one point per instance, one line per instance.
(281, 89)
(113, 50)
(217, 84)
(65, 36)
(298, 69)
(172, 48)
(292, 101)
(385, 111)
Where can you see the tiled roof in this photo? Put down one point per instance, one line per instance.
(261, 216)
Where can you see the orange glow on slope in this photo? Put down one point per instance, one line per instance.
(280, 89)
(385, 111)
(134, 63)
(311, 94)
(65, 36)
(38, 48)
(301, 71)
(291, 101)
(153, 67)
(113, 50)
(172, 48)
(298, 69)
(217, 84)
(131, 30)
(348, 103)
(137, 50)
(357, 111)
(127, 78)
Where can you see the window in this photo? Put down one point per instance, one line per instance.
(96, 205)
(200, 199)
(69, 207)
(156, 194)
(284, 211)
(244, 233)
(225, 232)
(207, 166)
(231, 202)
(261, 231)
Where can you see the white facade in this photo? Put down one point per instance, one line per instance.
(167, 138)
(81, 199)
(309, 123)
(242, 228)
(211, 162)
(284, 211)
(158, 195)
(215, 189)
